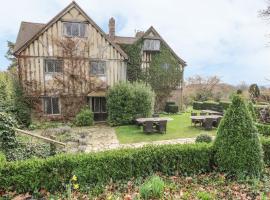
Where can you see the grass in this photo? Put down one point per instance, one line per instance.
(179, 127)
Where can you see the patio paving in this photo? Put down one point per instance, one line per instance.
(103, 138)
(100, 137)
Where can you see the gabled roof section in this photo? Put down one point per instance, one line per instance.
(23, 44)
(26, 32)
(124, 40)
(153, 34)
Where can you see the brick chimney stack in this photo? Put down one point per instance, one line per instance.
(112, 28)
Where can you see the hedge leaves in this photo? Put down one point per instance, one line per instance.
(237, 147)
(125, 101)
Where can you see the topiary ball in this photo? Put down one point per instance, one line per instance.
(203, 138)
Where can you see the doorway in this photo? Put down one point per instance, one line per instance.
(98, 106)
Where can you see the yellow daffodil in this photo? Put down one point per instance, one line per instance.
(74, 178)
(76, 186)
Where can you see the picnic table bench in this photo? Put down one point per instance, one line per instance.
(212, 112)
(154, 124)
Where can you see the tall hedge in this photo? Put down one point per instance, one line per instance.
(7, 133)
(127, 100)
(237, 147)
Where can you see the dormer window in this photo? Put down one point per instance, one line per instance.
(74, 29)
(151, 45)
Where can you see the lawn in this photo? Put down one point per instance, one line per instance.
(179, 127)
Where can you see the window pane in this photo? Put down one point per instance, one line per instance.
(157, 44)
(165, 66)
(96, 104)
(47, 105)
(55, 105)
(82, 29)
(101, 68)
(97, 67)
(151, 45)
(49, 66)
(103, 104)
(75, 29)
(58, 66)
(67, 29)
(94, 68)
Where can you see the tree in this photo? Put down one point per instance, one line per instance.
(203, 86)
(9, 55)
(254, 92)
(238, 150)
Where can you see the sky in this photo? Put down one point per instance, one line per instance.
(226, 38)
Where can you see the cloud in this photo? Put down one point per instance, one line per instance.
(224, 37)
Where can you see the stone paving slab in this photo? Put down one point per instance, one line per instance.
(102, 137)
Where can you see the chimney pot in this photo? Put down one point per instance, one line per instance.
(112, 28)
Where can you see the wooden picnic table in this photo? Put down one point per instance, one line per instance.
(203, 117)
(212, 112)
(153, 119)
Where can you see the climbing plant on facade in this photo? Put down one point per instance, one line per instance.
(134, 71)
(163, 75)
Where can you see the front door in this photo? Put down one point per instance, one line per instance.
(98, 105)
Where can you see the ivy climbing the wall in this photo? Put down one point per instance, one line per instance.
(134, 71)
(164, 73)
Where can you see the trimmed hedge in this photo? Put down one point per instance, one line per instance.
(263, 129)
(99, 168)
(238, 151)
(2, 159)
(211, 105)
(171, 107)
(127, 100)
(266, 150)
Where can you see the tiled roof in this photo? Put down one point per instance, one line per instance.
(26, 32)
(29, 31)
(124, 40)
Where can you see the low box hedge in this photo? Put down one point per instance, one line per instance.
(266, 149)
(173, 109)
(211, 105)
(99, 168)
(92, 169)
